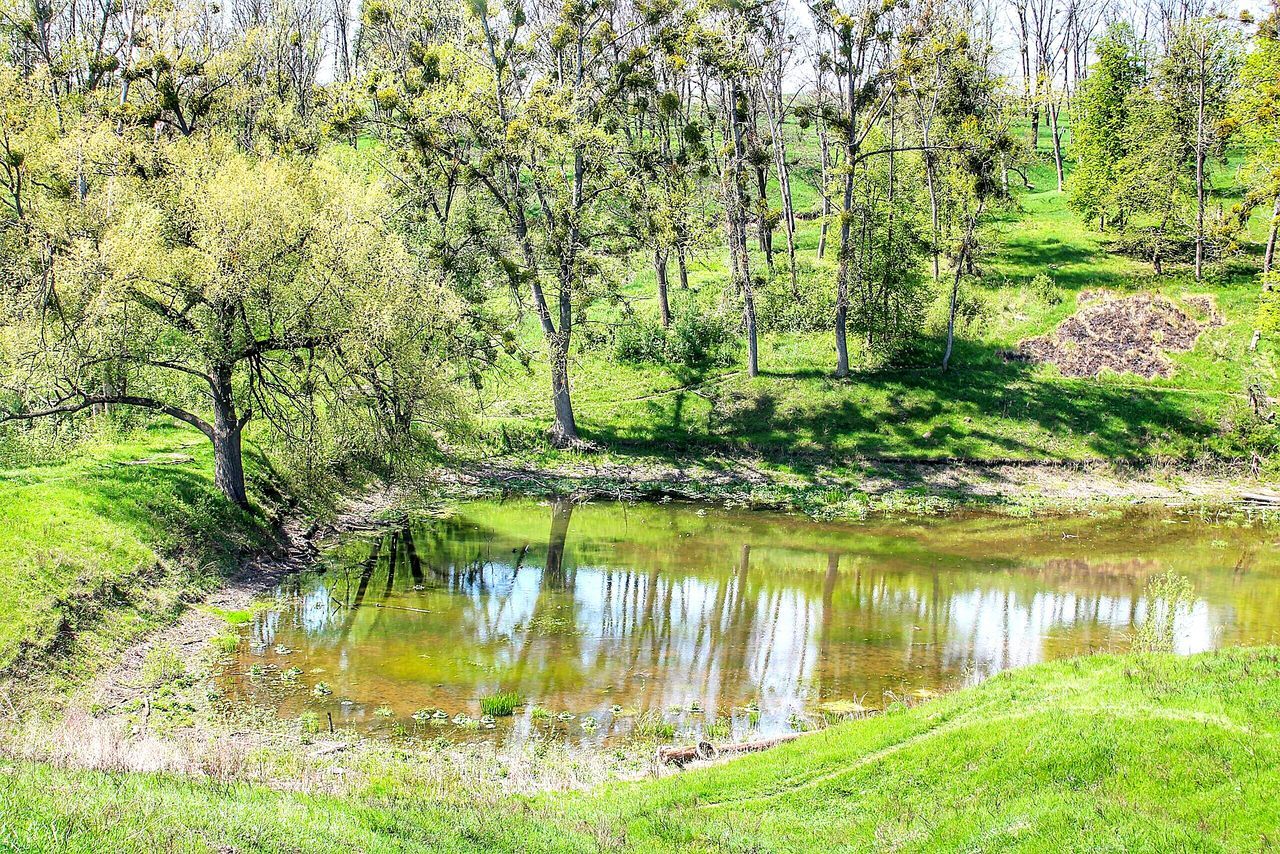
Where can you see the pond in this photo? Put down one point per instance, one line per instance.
(678, 620)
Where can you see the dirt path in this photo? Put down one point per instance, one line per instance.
(761, 484)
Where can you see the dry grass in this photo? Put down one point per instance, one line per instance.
(1125, 335)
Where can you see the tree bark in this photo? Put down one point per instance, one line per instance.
(1269, 257)
(564, 431)
(228, 429)
(826, 193)
(660, 270)
(1200, 160)
(763, 227)
(682, 266)
(843, 263)
(951, 317)
(736, 225)
(929, 168)
(1057, 145)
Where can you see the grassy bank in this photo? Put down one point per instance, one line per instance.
(1131, 753)
(100, 545)
(796, 415)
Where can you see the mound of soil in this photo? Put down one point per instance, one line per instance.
(1123, 334)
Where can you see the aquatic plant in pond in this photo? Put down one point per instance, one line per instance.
(501, 705)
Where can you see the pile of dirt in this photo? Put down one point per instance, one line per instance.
(1123, 334)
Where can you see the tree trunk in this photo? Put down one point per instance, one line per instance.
(228, 428)
(929, 168)
(1200, 158)
(1269, 257)
(788, 208)
(660, 270)
(564, 431)
(764, 229)
(826, 195)
(735, 193)
(951, 317)
(843, 262)
(683, 267)
(1057, 145)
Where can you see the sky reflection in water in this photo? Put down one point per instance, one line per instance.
(756, 621)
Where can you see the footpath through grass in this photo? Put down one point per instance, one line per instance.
(100, 546)
(1133, 753)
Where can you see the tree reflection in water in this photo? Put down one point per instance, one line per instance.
(599, 608)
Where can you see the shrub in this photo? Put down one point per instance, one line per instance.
(1269, 305)
(696, 339)
(780, 311)
(1043, 287)
(973, 310)
(640, 340)
(501, 705)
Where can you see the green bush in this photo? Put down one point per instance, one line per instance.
(1269, 304)
(973, 310)
(780, 310)
(1044, 288)
(695, 339)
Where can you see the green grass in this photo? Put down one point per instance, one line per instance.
(1135, 753)
(501, 705)
(986, 408)
(99, 547)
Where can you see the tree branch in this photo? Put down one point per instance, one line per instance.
(87, 401)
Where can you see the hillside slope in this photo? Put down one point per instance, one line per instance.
(1132, 753)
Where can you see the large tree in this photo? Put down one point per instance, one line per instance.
(197, 282)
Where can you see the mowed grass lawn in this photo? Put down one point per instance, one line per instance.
(97, 546)
(1133, 753)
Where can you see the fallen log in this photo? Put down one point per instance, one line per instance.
(1269, 499)
(705, 750)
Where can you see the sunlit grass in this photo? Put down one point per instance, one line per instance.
(1129, 753)
(99, 544)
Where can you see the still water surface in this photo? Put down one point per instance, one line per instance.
(736, 622)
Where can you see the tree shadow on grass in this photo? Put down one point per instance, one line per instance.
(177, 510)
(985, 408)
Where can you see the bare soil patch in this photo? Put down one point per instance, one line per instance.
(1123, 334)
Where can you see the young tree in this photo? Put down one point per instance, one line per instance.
(978, 145)
(1101, 118)
(866, 45)
(510, 122)
(1255, 117)
(722, 40)
(1199, 73)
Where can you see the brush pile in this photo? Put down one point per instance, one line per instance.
(1122, 334)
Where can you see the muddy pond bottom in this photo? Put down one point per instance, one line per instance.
(606, 621)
